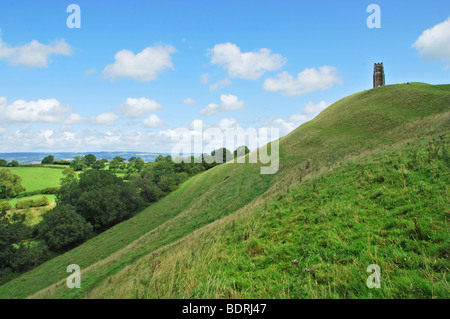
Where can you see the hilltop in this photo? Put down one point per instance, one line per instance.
(355, 187)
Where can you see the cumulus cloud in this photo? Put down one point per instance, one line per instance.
(229, 102)
(135, 107)
(39, 111)
(190, 101)
(434, 43)
(153, 121)
(143, 66)
(245, 65)
(108, 119)
(307, 81)
(33, 54)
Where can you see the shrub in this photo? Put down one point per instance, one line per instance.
(28, 203)
(62, 228)
(5, 206)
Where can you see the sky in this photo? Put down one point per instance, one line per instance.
(131, 75)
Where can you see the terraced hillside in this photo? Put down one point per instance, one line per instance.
(232, 232)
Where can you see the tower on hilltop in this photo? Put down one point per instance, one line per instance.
(378, 75)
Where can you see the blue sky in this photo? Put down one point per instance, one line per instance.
(136, 71)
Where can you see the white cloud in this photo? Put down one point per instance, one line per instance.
(143, 66)
(190, 101)
(39, 111)
(153, 121)
(315, 107)
(434, 43)
(135, 107)
(307, 81)
(247, 65)
(229, 102)
(106, 119)
(33, 54)
(220, 84)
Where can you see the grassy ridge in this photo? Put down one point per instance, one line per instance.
(353, 127)
(390, 209)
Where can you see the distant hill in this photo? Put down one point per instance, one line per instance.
(36, 157)
(356, 186)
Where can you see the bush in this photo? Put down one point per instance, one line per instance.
(28, 203)
(5, 206)
(48, 160)
(61, 162)
(62, 228)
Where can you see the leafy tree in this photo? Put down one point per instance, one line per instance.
(78, 163)
(62, 228)
(10, 184)
(102, 198)
(48, 160)
(139, 164)
(118, 163)
(3, 162)
(90, 159)
(13, 163)
(222, 155)
(241, 151)
(69, 191)
(12, 231)
(98, 165)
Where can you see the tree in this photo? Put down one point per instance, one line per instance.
(62, 228)
(222, 155)
(102, 198)
(241, 151)
(98, 165)
(90, 159)
(117, 163)
(12, 231)
(13, 163)
(3, 163)
(10, 184)
(78, 163)
(48, 160)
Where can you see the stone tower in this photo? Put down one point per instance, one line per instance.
(378, 75)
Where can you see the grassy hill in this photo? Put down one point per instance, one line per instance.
(348, 194)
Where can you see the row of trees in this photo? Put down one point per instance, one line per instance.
(4, 163)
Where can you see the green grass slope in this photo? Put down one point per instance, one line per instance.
(390, 209)
(220, 199)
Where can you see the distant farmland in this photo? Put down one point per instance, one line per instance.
(37, 178)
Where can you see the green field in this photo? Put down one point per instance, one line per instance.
(349, 192)
(37, 178)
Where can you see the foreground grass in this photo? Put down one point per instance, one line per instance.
(390, 209)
